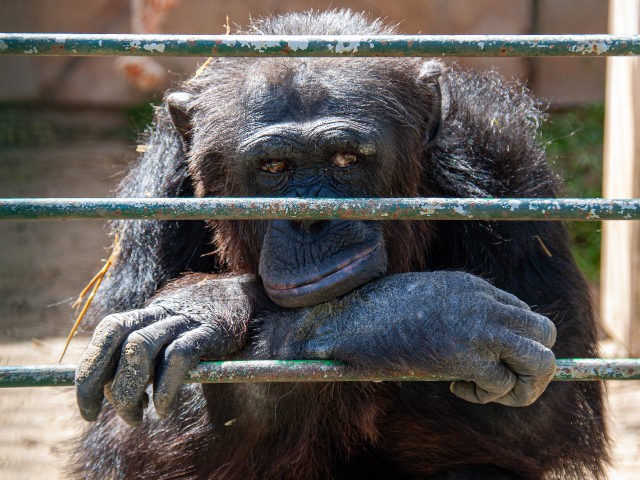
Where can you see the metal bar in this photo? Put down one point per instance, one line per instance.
(320, 45)
(256, 371)
(226, 208)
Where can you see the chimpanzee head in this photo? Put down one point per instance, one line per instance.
(312, 128)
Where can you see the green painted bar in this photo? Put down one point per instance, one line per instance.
(319, 46)
(257, 371)
(325, 208)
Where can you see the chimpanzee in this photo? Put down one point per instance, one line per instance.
(477, 300)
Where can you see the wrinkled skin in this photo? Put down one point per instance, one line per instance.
(490, 303)
(448, 323)
(163, 340)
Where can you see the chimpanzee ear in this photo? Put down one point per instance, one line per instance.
(178, 103)
(437, 99)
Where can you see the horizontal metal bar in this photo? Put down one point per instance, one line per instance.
(257, 371)
(226, 208)
(320, 45)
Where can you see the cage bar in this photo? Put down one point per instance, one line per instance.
(319, 45)
(227, 208)
(260, 371)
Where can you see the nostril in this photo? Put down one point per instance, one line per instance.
(309, 226)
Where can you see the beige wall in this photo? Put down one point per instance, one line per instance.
(94, 80)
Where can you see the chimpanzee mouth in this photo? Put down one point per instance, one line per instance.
(347, 275)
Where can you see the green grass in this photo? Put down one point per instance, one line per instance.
(139, 118)
(573, 140)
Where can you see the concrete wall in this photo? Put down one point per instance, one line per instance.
(94, 80)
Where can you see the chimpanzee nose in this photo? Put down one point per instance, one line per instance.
(309, 226)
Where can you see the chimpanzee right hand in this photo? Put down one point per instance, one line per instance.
(200, 315)
(440, 323)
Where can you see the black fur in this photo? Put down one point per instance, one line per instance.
(487, 146)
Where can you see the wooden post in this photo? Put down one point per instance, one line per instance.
(620, 274)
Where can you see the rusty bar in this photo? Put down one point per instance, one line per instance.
(257, 371)
(326, 208)
(320, 45)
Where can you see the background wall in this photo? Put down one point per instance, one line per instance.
(93, 81)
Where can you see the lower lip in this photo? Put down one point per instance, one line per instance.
(328, 280)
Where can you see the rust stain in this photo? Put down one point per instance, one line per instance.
(287, 49)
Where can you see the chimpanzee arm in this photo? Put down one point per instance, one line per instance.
(449, 323)
(196, 316)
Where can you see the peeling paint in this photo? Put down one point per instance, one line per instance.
(251, 371)
(154, 47)
(298, 46)
(256, 46)
(3, 45)
(321, 45)
(346, 47)
(325, 208)
(595, 48)
(460, 211)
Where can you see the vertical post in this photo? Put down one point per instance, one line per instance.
(620, 279)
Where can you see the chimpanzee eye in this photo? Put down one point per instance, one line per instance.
(274, 166)
(344, 159)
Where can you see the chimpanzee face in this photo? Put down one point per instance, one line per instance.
(316, 129)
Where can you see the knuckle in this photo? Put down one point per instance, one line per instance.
(124, 393)
(552, 333)
(546, 363)
(110, 324)
(178, 354)
(526, 399)
(83, 381)
(85, 391)
(136, 346)
(530, 395)
(518, 303)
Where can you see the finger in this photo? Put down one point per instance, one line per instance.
(136, 364)
(499, 295)
(98, 362)
(534, 366)
(529, 324)
(182, 355)
(493, 380)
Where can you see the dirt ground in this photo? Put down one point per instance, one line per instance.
(44, 264)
